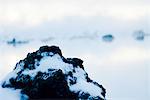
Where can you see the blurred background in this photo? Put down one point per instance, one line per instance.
(112, 37)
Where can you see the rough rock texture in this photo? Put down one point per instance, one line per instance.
(46, 74)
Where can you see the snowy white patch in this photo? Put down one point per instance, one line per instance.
(49, 62)
(83, 86)
(12, 74)
(54, 62)
(11, 94)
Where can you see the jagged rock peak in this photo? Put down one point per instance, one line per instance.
(46, 74)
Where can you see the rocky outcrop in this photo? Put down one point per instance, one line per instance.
(46, 74)
(108, 38)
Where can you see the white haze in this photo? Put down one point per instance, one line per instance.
(122, 66)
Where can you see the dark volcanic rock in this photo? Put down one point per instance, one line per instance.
(139, 35)
(108, 38)
(46, 74)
